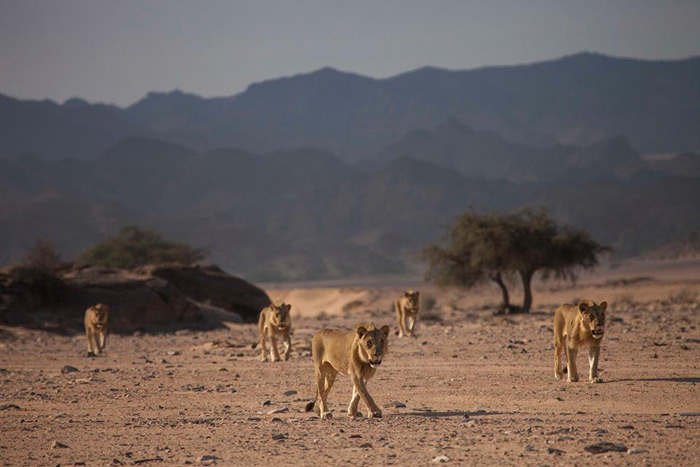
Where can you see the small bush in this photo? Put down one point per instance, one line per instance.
(684, 296)
(42, 255)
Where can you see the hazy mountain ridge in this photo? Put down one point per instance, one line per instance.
(572, 100)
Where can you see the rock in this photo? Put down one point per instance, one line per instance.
(207, 458)
(399, 405)
(689, 414)
(267, 402)
(530, 448)
(150, 298)
(636, 451)
(279, 436)
(173, 353)
(557, 452)
(68, 369)
(56, 444)
(440, 459)
(604, 446)
(9, 407)
(211, 285)
(366, 445)
(291, 392)
(280, 410)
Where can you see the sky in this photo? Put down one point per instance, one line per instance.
(116, 51)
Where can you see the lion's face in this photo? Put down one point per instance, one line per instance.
(101, 315)
(279, 315)
(593, 318)
(412, 298)
(372, 344)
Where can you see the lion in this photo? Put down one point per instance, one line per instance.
(96, 321)
(275, 320)
(575, 326)
(407, 311)
(358, 354)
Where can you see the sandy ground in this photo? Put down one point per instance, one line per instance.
(478, 389)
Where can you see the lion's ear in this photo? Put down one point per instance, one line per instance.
(385, 330)
(582, 307)
(361, 331)
(603, 306)
(289, 307)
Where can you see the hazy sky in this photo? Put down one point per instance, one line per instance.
(117, 50)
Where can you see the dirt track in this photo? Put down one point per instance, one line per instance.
(478, 389)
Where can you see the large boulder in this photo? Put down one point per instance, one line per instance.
(152, 298)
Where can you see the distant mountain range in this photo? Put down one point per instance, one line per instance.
(332, 174)
(573, 100)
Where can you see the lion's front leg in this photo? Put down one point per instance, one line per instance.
(287, 345)
(263, 345)
(411, 321)
(274, 353)
(103, 340)
(593, 354)
(401, 318)
(372, 409)
(354, 402)
(89, 335)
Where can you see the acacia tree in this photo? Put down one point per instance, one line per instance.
(480, 247)
(473, 250)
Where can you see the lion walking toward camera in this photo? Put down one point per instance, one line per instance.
(96, 328)
(407, 312)
(275, 321)
(577, 326)
(357, 353)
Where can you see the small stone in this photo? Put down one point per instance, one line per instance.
(555, 451)
(68, 369)
(366, 445)
(267, 402)
(9, 407)
(57, 444)
(355, 436)
(689, 414)
(530, 448)
(223, 369)
(280, 410)
(279, 436)
(636, 451)
(173, 353)
(207, 458)
(400, 405)
(440, 459)
(291, 392)
(604, 446)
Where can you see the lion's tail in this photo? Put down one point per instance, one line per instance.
(310, 406)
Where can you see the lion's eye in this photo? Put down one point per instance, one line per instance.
(369, 344)
(592, 317)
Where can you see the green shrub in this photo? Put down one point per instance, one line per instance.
(134, 247)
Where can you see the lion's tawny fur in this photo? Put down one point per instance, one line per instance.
(355, 353)
(407, 312)
(275, 321)
(577, 326)
(96, 328)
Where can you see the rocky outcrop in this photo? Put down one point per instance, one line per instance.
(152, 298)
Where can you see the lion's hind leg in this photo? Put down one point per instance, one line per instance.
(325, 377)
(558, 350)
